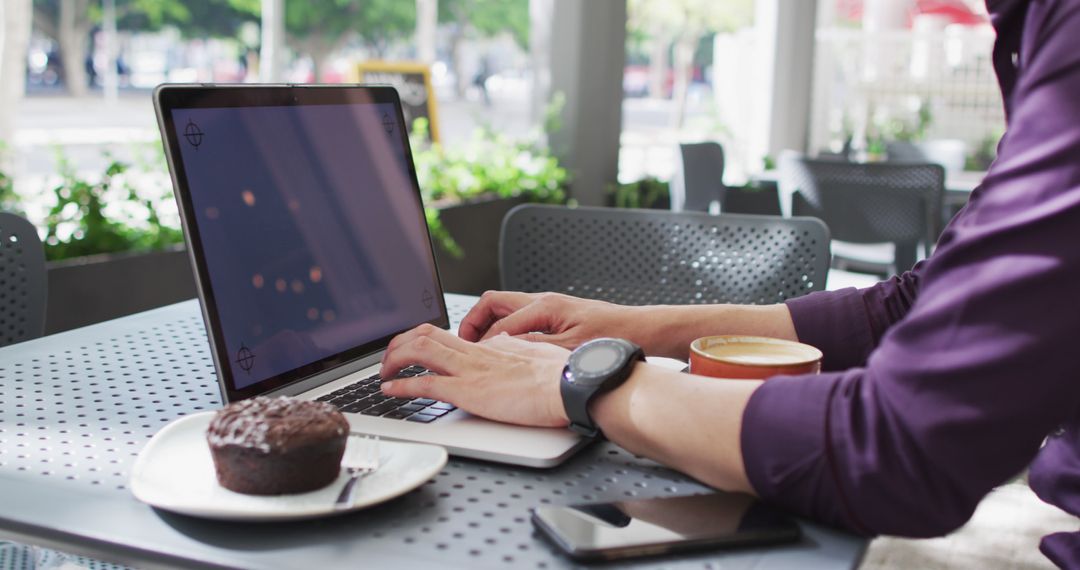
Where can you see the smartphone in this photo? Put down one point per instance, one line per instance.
(649, 527)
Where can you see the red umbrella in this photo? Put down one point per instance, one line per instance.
(955, 10)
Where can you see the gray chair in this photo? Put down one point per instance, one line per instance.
(22, 281)
(643, 257)
(699, 178)
(868, 203)
(906, 152)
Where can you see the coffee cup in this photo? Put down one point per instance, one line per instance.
(752, 357)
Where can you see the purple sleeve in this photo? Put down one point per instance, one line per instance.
(961, 390)
(848, 324)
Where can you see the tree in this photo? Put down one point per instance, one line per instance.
(69, 23)
(204, 18)
(318, 28)
(482, 18)
(680, 25)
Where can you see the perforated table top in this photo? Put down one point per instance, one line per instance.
(76, 408)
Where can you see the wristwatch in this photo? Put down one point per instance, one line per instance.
(597, 366)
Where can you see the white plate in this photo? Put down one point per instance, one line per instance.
(175, 472)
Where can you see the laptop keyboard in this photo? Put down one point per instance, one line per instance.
(365, 397)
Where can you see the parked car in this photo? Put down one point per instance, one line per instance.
(43, 68)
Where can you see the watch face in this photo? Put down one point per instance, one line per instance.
(595, 362)
(598, 359)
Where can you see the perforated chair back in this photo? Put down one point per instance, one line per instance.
(22, 281)
(643, 257)
(700, 179)
(868, 203)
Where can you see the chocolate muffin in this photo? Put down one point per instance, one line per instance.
(274, 446)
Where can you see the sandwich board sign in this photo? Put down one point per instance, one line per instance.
(413, 83)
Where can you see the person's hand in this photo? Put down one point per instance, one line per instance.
(549, 317)
(502, 378)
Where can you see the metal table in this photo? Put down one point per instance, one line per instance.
(76, 408)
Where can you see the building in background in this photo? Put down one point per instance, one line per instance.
(915, 73)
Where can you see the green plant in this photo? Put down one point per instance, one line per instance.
(896, 129)
(985, 153)
(103, 216)
(875, 148)
(645, 193)
(490, 165)
(8, 198)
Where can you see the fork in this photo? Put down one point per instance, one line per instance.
(358, 470)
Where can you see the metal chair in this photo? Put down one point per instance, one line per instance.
(868, 203)
(699, 178)
(906, 152)
(22, 281)
(643, 257)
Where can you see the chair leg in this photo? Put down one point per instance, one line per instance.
(905, 257)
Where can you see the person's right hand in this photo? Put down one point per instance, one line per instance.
(550, 317)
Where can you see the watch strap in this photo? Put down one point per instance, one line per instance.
(576, 399)
(577, 407)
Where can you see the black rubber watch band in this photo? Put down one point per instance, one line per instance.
(595, 367)
(589, 432)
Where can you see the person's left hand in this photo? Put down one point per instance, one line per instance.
(502, 378)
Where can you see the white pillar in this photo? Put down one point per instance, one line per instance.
(271, 55)
(15, 17)
(885, 15)
(824, 71)
(588, 52)
(112, 50)
(541, 20)
(427, 23)
(881, 19)
(786, 30)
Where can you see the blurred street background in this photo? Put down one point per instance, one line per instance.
(77, 81)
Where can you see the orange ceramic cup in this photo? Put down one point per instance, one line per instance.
(751, 357)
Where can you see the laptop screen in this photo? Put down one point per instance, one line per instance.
(310, 231)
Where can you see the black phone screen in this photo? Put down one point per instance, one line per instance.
(655, 526)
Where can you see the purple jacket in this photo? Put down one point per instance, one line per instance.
(946, 381)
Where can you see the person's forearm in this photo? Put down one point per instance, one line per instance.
(690, 423)
(668, 330)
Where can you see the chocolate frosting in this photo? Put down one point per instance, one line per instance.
(275, 424)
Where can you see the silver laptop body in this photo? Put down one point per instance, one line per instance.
(304, 222)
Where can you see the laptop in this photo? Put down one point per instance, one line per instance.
(304, 222)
